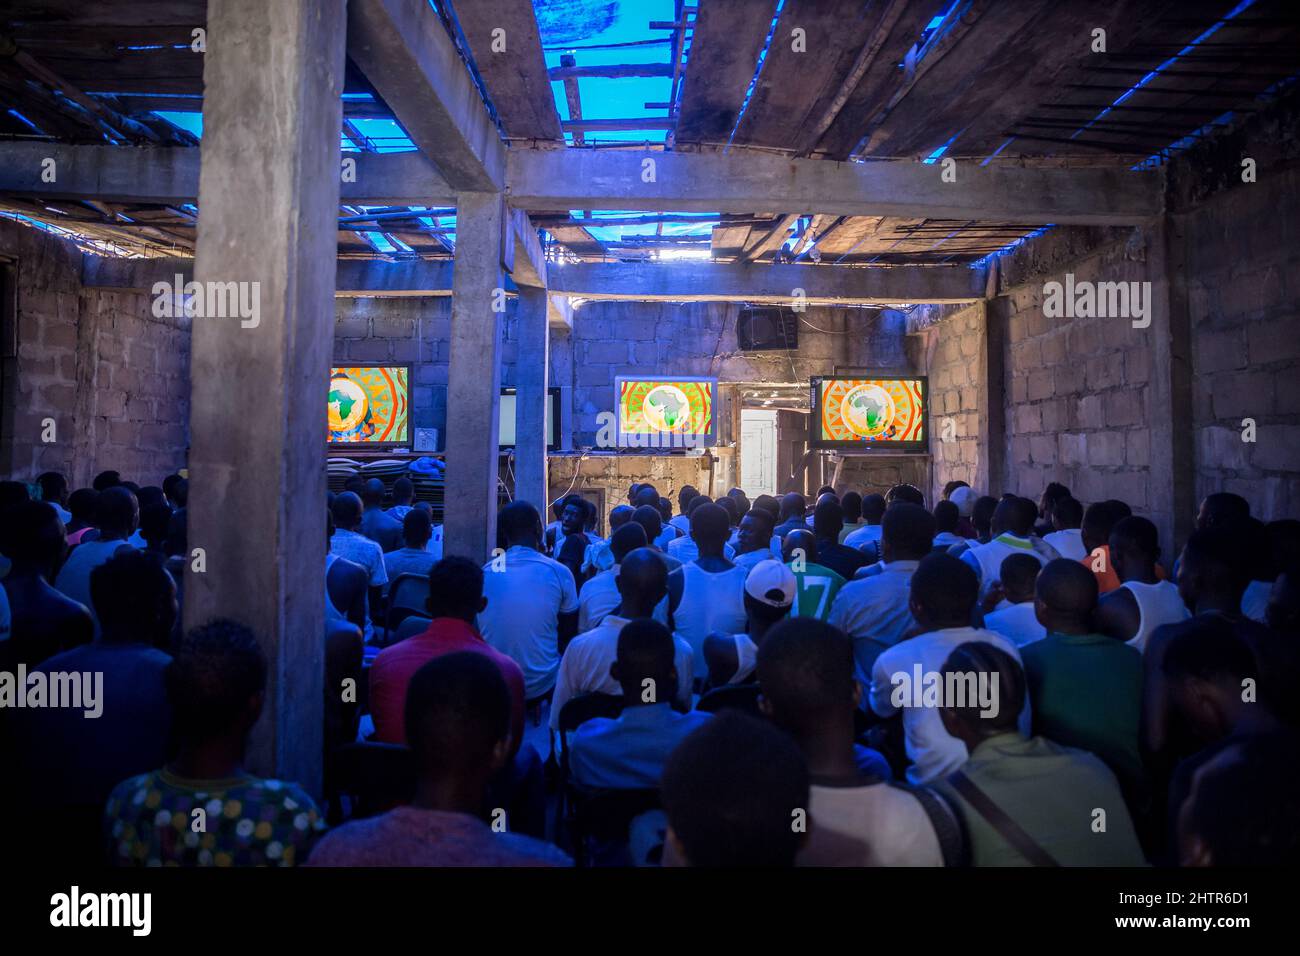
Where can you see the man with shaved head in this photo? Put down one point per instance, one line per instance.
(656, 534)
(641, 581)
(599, 596)
(1013, 526)
(1086, 688)
(377, 524)
(1143, 601)
(817, 584)
(707, 595)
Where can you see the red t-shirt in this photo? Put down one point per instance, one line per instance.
(393, 668)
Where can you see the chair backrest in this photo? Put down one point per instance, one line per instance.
(409, 591)
(738, 696)
(579, 710)
(410, 626)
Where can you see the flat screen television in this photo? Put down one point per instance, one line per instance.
(867, 413)
(506, 423)
(370, 405)
(666, 413)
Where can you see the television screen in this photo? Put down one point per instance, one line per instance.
(869, 413)
(506, 424)
(370, 406)
(665, 412)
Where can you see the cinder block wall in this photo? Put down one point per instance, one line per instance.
(113, 378)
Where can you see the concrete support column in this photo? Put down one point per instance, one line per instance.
(267, 240)
(474, 377)
(531, 401)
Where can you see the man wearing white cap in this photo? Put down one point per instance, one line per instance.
(769, 594)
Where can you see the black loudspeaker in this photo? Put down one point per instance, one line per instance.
(767, 328)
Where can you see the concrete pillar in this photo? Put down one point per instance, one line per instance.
(474, 377)
(268, 192)
(532, 400)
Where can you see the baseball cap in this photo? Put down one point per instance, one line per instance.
(964, 499)
(772, 583)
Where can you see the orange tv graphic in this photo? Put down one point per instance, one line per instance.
(871, 411)
(666, 407)
(369, 405)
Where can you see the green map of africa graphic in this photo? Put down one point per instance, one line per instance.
(671, 406)
(344, 402)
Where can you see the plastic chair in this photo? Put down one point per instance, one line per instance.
(407, 594)
(576, 712)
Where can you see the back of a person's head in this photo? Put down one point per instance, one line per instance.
(828, 519)
(31, 534)
(733, 790)
(952, 486)
(116, 511)
(1244, 806)
(1068, 589)
(150, 495)
(1208, 649)
(1067, 513)
(455, 588)
(12, 494)
(403, 489)
(982, 513)
(1120, 509)
(53, 485)
(169, 485)
(155, 523)
(873, 508)
(518, 522)
(945, 588)
(346, 510)
(106, 479)
(665, 510)
(852, 505)
(698, 501)
(805, 672)
(709, 523)
(1054, 492)
(905, 492)
(977, 662)
(373, 495)
(457, 714)
(417, 528)
(644, 660)
(181, 493)
(1222, 509)
(1217, 558)
(82, 504)
(770, 505)
(649, 518)
(1012, 515)
(742, 502)
(646, 495)
(908, 530)
(684, 497)
(1018, 573)
(946, 517)
(619, 516)
(793, 505)
(134, 598)
(356, 484)
(1135, 537)
(215, 680)
(1099, 520)
(729, 506)
(627, 539)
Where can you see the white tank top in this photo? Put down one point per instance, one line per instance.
(712, 602)
(1157, 604)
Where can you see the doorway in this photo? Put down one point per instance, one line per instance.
(758, 451)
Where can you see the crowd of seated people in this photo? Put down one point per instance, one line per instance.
(857, 679)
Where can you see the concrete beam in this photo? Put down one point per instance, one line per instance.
(406, 54)
(171, 175)
(559, 312)
(527, 260)
(687, 281)
(646, 282)
(270, 192)
(739, 182)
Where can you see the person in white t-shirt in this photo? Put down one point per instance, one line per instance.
(867, 538)
(600, 596)
(1142, 602)
(1013, 615)
(682, 520)
(1067, 539)
(348, 542)
(642, 583)
(707, 595)
(943, 595)
(1012, 526)
(532, 609)
(805, 672)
